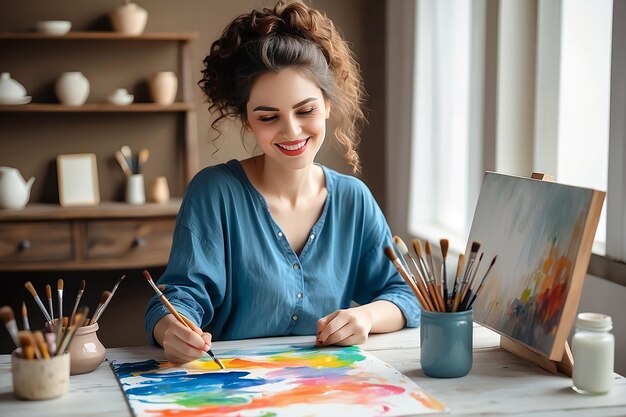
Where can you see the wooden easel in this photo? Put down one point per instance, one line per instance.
(566, 364)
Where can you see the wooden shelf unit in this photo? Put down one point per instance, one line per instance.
(95, 108)
(111, 235)
(93, 35)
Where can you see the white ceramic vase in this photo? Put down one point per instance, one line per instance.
(72, 88)
(163, 87)
(160, 192)
(129, 19)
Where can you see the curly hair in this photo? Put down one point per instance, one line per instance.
(288, 36)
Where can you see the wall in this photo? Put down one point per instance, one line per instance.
(32, 142)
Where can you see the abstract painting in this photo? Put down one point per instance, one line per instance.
(542, 233)
(273, 381)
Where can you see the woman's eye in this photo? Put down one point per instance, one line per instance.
(307, 112)
(267, 118)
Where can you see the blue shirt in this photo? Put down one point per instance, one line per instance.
(232, 271)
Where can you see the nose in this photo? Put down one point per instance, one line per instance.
(292, 128)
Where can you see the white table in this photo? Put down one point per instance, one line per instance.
(499, 382)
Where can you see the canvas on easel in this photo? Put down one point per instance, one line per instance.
(542, 233)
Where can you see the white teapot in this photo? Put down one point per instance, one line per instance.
(14, 191)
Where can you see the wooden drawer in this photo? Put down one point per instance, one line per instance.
(28, 242)
(129, 242)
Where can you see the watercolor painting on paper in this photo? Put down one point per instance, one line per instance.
(542, 233)
(274, 381)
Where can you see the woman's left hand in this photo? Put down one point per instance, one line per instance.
(344, 327)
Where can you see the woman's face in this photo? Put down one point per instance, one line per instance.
(287, 113)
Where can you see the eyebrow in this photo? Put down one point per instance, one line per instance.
(266, 108)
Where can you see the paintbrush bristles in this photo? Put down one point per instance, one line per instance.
(443, 244)
(391, 254)
(60, 284)
(41, 344)
(6, 314)
(83, 283)
(7, 317)
(459, 265)
(25, 316)
(401, 245)
(30, 288)
(28, 350)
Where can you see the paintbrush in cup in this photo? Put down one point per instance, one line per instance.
(49, 296)
(417, 247)
(443, 244)
(7, 317)
(69, 333)
(99, 312)
(418, 277)
(469, 292)
(391, 254)
(103, 299)
(176, 314)
(41, 344)
(60, 295)
(482, 281)
(433, 270)
(81, 290)
(27, 345)
(25, 316)
(468, 269)
(31, 289)
(457, 280)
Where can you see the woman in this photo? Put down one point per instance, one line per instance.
(277, 244)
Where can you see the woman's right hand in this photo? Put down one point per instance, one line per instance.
(180, 343)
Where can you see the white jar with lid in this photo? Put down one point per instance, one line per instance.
(593, 347)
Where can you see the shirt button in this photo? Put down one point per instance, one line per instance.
(280, 234)
(299, 295)
(312, 237)
(294, 317)
(296, 266)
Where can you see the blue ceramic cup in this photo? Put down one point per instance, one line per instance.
(446, 343)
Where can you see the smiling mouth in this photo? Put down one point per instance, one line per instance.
(293, 145)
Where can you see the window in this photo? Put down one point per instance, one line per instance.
(441, 129)
(553, 91)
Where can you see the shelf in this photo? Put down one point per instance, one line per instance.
(105, 210)
(114, 36)
(96, 107)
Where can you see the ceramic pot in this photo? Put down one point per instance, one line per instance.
(129, 19)
(86, 351)
(14, 191)
(163, 87)
(72, 88)
(135, 189)
(11, 91)
(40, 379)
(160, 192)
(121, 97)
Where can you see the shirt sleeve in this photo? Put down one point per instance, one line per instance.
(195, 276)
(377, 278)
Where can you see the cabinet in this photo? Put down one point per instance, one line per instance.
(112, 235)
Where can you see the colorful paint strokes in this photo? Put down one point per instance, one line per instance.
(536, 229)
(274, 381)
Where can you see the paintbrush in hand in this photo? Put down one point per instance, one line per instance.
(176, 314)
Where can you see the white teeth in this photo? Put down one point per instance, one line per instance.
(292, 147)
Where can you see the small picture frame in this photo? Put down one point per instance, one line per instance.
(78, 180)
